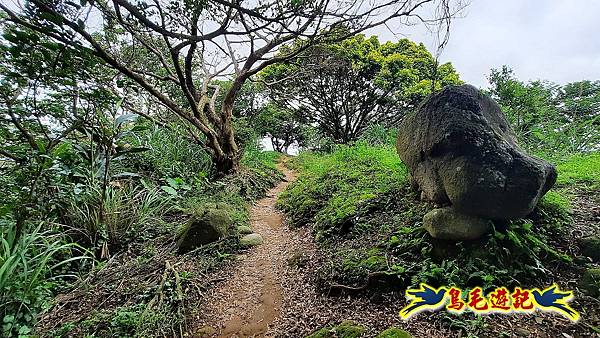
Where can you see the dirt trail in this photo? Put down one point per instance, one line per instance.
(250, 297)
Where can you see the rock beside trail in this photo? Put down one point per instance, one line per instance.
(346, 329)
(461, 151)
(205, 227)
(251, 240)
(244, 230)
(447, 223)
(590, 247)
(590, 282)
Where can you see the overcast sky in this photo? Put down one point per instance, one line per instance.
(556, 40)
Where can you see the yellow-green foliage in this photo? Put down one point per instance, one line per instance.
(581, 168)
(555, 208)
(394, 332)
(336, 187)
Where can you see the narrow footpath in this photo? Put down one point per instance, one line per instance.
(247, 302)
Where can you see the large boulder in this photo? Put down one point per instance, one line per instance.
(461, 152)
(206, 226)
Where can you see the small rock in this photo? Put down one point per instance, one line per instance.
(205, 331)
(522, 332)
(251, 240)
(244, 230)
(447, 223)
(590, 282)
(394, 332)
(205, 227)
(590, 247)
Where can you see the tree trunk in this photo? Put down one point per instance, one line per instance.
(227, 159)
(225, 165)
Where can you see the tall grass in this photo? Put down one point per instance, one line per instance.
(28, 265)
(117, 218)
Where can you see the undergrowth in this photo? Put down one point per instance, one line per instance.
(335, 189)
(369, 225)
(146, 288)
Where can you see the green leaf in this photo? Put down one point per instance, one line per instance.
(172, 182)
(169, 190)
(125, 118)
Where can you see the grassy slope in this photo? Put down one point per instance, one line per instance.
(368, 223)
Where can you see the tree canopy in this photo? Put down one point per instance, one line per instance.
(343, 86)
(170, 53)
(548, 117)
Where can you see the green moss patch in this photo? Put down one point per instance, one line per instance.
(581, 168)
(394, 332)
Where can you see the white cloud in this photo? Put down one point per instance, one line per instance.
(554, 40)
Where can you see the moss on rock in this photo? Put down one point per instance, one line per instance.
(590, 282)
(244, 230)
(590, 247)
(251, 240)
(206, 226)
(394, 332)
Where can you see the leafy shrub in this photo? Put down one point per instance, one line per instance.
(172, 154)
(124, 212)
(130, 321)
(377, 134)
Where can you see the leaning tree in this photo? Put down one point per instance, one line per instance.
(175, 51)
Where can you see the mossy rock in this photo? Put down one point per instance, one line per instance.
(449, 224)
(206, 226)
(244, 230)
(346, 329)
(590, 247)
(394, 332)
(251, 240)
(590, 282)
